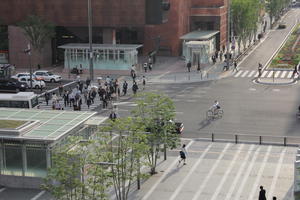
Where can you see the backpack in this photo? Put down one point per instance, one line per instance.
(182, 154)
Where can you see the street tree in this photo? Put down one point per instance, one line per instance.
(126, 153)
(157, 111)
(38, 31)
(75, 173)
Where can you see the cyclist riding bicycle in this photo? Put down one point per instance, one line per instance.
(216, 106)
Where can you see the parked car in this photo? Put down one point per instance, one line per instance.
(282, 25)
(35, 84)
(47, 76)
(19, 75)
(12, 85)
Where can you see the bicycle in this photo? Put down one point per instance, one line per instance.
(214, 114)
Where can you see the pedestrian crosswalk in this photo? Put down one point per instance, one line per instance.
(223, 171)
(265, 74)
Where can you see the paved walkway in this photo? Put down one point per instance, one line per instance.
(223, 171)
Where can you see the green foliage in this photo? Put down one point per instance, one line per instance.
(74, 174)
(127, 153)
(156, 111)
(38, 31)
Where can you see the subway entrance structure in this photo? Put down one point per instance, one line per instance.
(28, 137)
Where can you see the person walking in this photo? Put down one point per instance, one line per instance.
(198, 67)
(259, 69)
(262, 193)
(182, 154)
(221, 55)
(60, 90)
(113, 116)
(144, 82)
(125, 86)
(235, 66)
(135, 87)
(88, 102)
(189, 66)
(47, 98)
(145, 67)
(66, 98)
(295, 71)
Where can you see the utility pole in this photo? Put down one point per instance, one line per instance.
(90, 14)
(228, 34)
(28, 51)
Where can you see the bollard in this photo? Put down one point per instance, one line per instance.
(212, 137)
(260, 139)
(236, 139)
(201, 76)
(207, 75)
(284, 141)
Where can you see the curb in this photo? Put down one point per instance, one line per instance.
(262, 82)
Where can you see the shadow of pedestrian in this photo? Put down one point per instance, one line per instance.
(174, 171)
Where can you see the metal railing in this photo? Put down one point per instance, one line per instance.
(256, 139)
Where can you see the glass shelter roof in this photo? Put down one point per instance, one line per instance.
(51, 124)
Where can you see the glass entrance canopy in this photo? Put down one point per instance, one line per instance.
(26, 144)
(105, 56)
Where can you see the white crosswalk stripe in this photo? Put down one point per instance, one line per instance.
(265, 74)
(238, 73)
(283, 74)
(290, 74)
(251, 73)
(270, 74)
(244, 74)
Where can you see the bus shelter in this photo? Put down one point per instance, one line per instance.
(105, 56)
(28, 138)
(198, 46)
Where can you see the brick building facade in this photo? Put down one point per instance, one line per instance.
(113, 22)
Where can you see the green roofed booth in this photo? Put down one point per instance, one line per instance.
(198, 46)
(28, 138)
(105, 56)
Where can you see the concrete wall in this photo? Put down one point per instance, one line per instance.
(20, 182)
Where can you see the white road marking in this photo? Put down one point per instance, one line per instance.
(283, 74)
(38, 195)
(290, 75)
(208, 176)
(264, 73)
(252, 89)
(191, 171)
(251, 73)
(2, 189)
(241, 169)
(244, 74)
(246, 175)
(277, 74)
(276, 90)
(259, 174)
(147, 195)
(256, 75)
(270, 74)
(217, 191)
(191, 100)
(277, 171)
(237, 74)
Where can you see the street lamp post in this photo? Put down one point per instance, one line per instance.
(91, 67)
(28, 51)
(228, 34)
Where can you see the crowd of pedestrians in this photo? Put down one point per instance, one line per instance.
(85, 93)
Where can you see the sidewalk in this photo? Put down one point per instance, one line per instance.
(222, 171)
